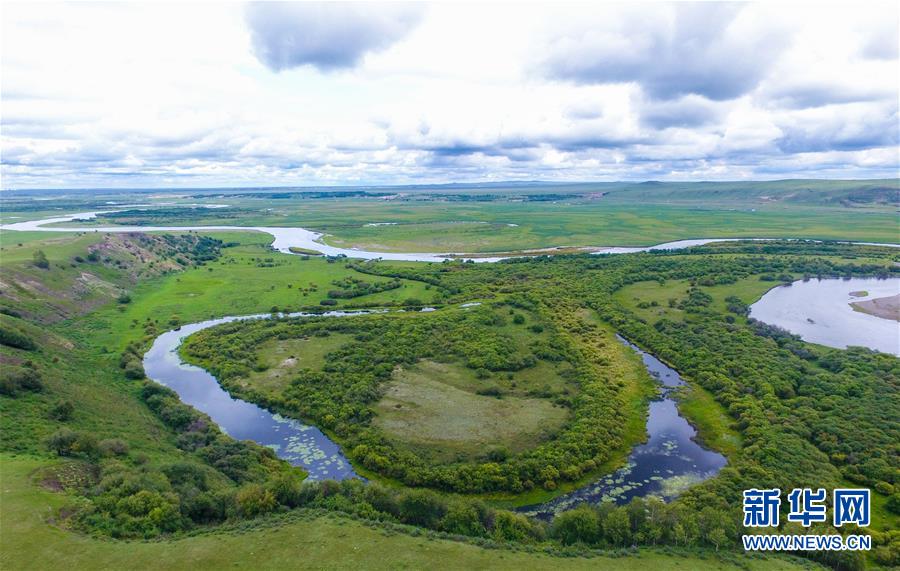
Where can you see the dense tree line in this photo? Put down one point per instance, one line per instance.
(339, 397)
(809, 416)
(351, 287)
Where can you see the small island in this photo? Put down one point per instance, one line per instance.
(305, 251)
(883, 307)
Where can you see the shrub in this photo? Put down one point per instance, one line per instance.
(580, 525)
(254, 500)
(13, 338)
(40, 259)
(63, 411)
(16, 380)
(422, 507)
(113, 447)
(62, 441)
(134, 370)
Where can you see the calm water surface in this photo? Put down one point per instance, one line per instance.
(300, 444)
(664, 466)
(819, 311)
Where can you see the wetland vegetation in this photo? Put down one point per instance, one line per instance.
(513, 392)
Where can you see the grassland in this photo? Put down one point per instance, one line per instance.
(483, 220)
(282, 358)
(426, 411)
(237, 284)
(313, 542)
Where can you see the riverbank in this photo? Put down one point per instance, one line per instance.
(883, 307)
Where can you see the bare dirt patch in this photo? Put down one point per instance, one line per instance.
(883, 307)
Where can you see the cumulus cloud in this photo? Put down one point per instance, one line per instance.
(455, 92)
(687, 112)
(717, 50)
(327, 35)
(850, 127)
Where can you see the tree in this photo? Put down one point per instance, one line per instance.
(61, 441)
(580, 525)
(63, 411)
(616, 528)
(40, 259)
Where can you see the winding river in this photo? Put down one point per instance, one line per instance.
(666, 464)
(300, 444)
(285, 238)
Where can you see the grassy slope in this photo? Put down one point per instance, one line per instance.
(238, 288)
(320, 543)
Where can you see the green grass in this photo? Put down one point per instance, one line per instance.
(748, 290)
(284, 357)
(235, 285)
(715, 428)
(634, 217)
(58, 247)
(423, 412)
(324, 542)
(488, 229)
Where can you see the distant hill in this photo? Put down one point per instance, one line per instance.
(820, 192)
(885, 192)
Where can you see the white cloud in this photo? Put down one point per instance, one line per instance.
(328, 36)
(170, 94)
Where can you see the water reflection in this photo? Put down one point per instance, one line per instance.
(819, 311)
(298, 443)
(664, 466)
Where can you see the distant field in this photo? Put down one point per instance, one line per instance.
(497, 219)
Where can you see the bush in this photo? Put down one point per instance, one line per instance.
(287, 489)
(580, 525)
(13, 338)
(63, 411)
(40, 259)
(422, 507)
(16, 380)
(62, 441)
(134, 370)
(113, 447)
(893, 504)
(254, 500)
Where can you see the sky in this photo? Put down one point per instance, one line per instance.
(306, 94)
